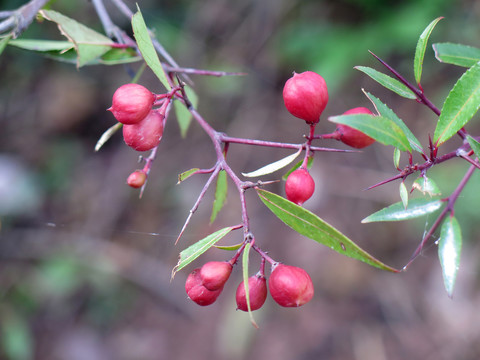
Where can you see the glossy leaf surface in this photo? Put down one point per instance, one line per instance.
(277, 165)
(388, 82)
(421, 47)
(397, 212)
(457, 54)
(475, 145)
(449, 249)
(310, 225)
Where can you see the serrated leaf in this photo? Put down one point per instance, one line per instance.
(385, 111)
(186, 174)
(310, 225)
(107, 135)
(197, 249)
(404, 194)
(396, 158)
(41, 45)
(475, 145)
(277, 165)
(88, 43)
(460, 106)
(397, 212)
(421, 47)
(245, 256)
(380, 128)
(297, 165)
(184, 117)
(220, 194)
(457, 54)
(145, 45)
(426, 186)
(449, 249)
(388, 82)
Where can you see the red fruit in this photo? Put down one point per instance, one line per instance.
(137, 179)
(353, 137)
(199, 293)
(214, 274)
(131, 103)
(299, 186)
(306, 96)
(257, 290)
(146, 134)
(290, 286)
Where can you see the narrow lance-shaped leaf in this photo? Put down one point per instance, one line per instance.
(457, 54)
(184, 117)
(277, 165)
(449, 249)
(475, 145)
(297, 165)
(427, 186)
(220, 194)
(310, 225)
(146, 47)
(461, 104)
(388, 82)
(107, 135)
(186, 174)
(397, 212)
(396, 158)
(385, 111)
(245, 257)
(4, 42)
(41, 45)
(380, 128)
(421, 47)
(404, 194)
(197, 249)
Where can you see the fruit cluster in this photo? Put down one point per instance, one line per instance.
(290, 286)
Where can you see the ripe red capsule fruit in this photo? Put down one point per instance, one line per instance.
(137, 179)
(214, 274)
(299, 186)
(353, 137)
(146, 134)
(290, 286)
(257, 291)
(199, 293)
(306, 96)
(131, 103)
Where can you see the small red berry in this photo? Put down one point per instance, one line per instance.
(131, 103)
(257, 290)
(146, 134)
(214, 274)
(353, 137)
(137, 179)
(290, 286)
(299, 186)
(306, 96)
(199, 293)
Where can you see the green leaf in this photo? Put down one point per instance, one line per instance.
(404, 194)
(457, 54)
(229, 248)
(396, 158)
(4, 42)
(146, 47)
(15, 340)
(41, 45)
(310, 225)
(475, 145)
(449, 249)
(460, 106)
(277, 165)
(186, 174)
(184, 117)
(388, 82)
(245, 257)
(220, 194)
(385, 111)
(197, 249)
(297, 165)
(107, 135)
(88, 43)
(426, 186)
(380, 128)
(397, 212)
(421, 47)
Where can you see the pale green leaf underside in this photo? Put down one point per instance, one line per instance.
(245, 258)
(460, 106)
(277, 165)
(388, 82)
(449, 249)
(107, 135)
(427, 186)
(310, 225)
(421, 48)
(457, 54)
(220, 194)
(403, 194)
(397, 212)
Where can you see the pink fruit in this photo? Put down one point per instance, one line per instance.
(257, 290)
(299, 186)
(199, 293)
(290, 286)
(306, 96)
(131, 103)
(353, 137)
(146, 134)
(137, 179)
(214, 274)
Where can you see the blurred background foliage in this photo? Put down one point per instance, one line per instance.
(85, 265)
